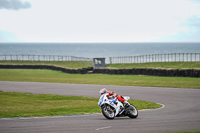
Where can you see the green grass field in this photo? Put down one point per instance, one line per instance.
(30, 75)
(15, 104)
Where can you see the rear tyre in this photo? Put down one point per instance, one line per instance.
(108, 112)
(133, 112)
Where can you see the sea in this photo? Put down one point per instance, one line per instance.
(97, 50)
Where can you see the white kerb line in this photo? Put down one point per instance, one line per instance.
(103, 128)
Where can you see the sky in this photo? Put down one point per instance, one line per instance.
(99, 21)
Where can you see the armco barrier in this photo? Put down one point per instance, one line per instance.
(151, 72)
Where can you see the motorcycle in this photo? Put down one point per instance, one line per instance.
(111, 107)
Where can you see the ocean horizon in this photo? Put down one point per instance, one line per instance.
(98, 50)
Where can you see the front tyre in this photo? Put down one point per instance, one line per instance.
(133, 112)
(108, 112)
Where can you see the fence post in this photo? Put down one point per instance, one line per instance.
(146, 59)
(158, 57)
(164, 57)
(139, 59)
(142, 58)
(175, 57)
(168, 57)
(131, 59)
(110, 60)
(171, 57)
(191, 57)
(149, 57)
(186, 57)
(199, 57)
(67, 58)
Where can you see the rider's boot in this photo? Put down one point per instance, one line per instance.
(126, 104)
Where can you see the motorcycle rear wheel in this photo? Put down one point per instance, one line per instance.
(108, 112)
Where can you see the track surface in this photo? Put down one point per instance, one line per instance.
(181, 111)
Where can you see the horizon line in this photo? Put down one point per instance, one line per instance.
(93, 42)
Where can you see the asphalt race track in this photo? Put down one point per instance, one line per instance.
(181, 110)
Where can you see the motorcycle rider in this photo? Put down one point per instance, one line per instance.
(110, 93)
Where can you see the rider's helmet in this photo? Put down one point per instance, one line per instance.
(103, 91)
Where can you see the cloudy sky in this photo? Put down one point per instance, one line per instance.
(99, 20)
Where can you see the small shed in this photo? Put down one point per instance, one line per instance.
(99, 62)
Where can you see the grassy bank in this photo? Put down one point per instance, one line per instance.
(100, 79)
(15, 104)
(85, 64)
(158, 65)
(64, 64)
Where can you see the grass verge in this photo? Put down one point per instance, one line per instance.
(157, 65)
(16, 104)
(184, 132)
(64, 64)
(30, 75)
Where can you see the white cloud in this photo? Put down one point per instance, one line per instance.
(14, 4)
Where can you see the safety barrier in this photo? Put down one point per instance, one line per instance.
(42, 58)
(170, 57)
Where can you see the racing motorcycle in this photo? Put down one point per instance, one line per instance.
(111, 107)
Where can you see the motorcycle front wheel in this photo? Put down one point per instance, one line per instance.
(133, 112)
(108, 112)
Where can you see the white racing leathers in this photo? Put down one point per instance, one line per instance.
(112, 107)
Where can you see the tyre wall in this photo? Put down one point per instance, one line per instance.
(151, 72)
